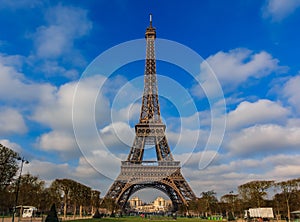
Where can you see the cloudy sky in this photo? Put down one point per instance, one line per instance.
(71, 80)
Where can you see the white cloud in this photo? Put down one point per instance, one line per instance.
(192, 122)
(57, 113)
(105, 162)
(85, 169)
(48, 171)
(83, 173)
(117, 134)
(236, 66)
(12, 60)
(15, 147)
(284, 172)
(277, 10)
(11, 121)
(260, 112)
(262, 139)
(65, 25)
(192, 160)
(186, 140)
(58, 141)
(291, 91)
(222, 177)
(225, 175)
(293, 122)
(131, 112)
(56, 110)
(50, 68)
(55, 49)
(16, 89)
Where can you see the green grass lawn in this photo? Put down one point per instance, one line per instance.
(139, 219)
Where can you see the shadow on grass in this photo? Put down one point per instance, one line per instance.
(137, 219)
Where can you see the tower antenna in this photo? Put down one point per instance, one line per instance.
(150, 15)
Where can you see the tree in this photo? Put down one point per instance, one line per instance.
(95, 200)
(31, 190)
(109, 204)
(54, 194)
(194, 206)
(49, 196)
(288, 188)
(80, 194)
(72, 192)
(253, 192)
(63, 186)
(210, 201)
(85, 201)
(8, 170)
(230, 204)
(8, 166)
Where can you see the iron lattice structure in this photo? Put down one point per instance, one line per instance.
(163, 174)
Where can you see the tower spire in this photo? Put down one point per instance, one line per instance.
(150, 111)
(150, 17)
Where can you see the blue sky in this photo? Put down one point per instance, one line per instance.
(52, 66)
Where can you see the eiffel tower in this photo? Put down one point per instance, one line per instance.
(163, 174)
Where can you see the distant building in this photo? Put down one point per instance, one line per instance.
(135, 202)
(162, 204)
(158, 205)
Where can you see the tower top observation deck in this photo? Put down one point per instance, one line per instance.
(150, 31)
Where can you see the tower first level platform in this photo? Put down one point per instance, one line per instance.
(162, 175)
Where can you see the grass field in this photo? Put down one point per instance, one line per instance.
(139, 219)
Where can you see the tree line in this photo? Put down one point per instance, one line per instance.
(68, 195)
(72, 196)
(283, 197)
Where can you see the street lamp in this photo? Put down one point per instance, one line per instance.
(18, 185)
